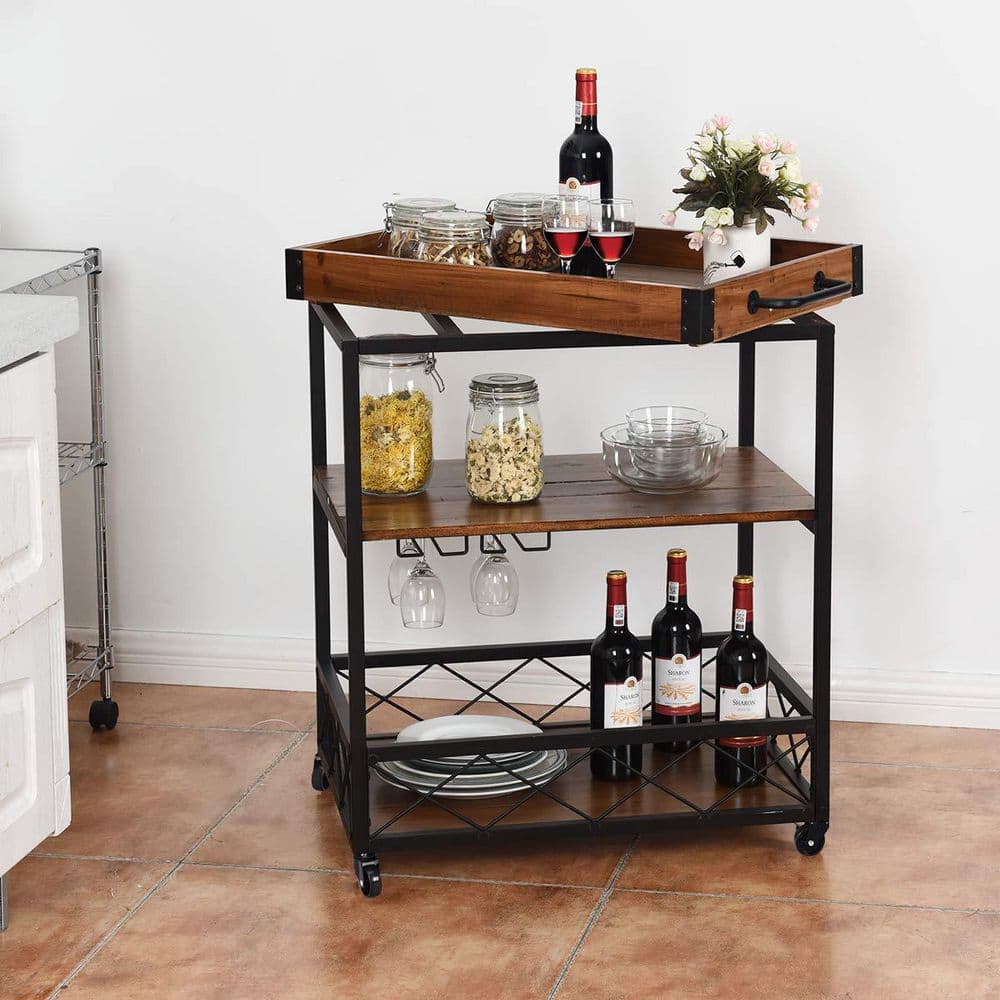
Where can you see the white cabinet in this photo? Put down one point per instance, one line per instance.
(34, 741)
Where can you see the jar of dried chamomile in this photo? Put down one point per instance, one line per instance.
(503, 439)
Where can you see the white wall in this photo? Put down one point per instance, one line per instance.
(193, 142)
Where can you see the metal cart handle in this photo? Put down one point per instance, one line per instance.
(823, 288)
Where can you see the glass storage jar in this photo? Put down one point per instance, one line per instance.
(518, 234)
(503, 439)
(402, 217)
(397, 449)
(455, 237)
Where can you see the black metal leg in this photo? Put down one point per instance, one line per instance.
(822, 573)
(360, 820)
(321, 534)
(747, 408)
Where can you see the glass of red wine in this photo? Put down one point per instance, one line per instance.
(612, 227)
(565, 219)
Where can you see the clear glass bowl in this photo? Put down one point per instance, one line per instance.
(657, 424)
(686, 467)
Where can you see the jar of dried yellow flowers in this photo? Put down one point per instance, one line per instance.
(397, 450)
(503, 439)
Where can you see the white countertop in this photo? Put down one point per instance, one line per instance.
(30, 323)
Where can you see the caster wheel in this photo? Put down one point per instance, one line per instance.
(810, 838)
(368, 874)
(320, 781)
(103, 715)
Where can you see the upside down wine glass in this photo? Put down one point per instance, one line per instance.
(564, 222)
(612, 228)
(421, 600)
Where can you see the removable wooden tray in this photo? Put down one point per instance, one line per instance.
(658, 293)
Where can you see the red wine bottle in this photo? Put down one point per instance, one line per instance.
(616, 685)
(676, 648)
(585, 162)
(741, 692)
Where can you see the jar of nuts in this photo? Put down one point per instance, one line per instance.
(518, 235)
(455, 237)
(402, 217)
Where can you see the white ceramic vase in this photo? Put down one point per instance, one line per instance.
(744, 251)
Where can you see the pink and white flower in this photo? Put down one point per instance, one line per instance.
(669, 217)
(789, 146)
(797, 205)
(718, 237)
(765, 166)
(791, 170)
(722, 122)
(766, 142)
(811, 225)
(709, 127)
(812, 204)
(814, 189)
(695, 241)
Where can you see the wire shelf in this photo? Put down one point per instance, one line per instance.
(76, 457)
(85, 666)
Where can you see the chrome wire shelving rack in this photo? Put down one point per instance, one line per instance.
(85, 662)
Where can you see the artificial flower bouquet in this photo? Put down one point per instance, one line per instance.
(735, 182)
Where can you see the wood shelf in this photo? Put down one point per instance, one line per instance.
(693, 777)
(579, 495)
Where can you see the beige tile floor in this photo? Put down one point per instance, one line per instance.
(201, 864)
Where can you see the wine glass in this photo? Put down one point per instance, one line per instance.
(564, 222)
(421, 599)
(495, 587)
(612, 227)
(490, 544)
(399, 568)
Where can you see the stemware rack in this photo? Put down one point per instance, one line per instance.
(658, 298)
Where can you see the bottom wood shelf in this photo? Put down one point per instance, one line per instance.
(693, 778)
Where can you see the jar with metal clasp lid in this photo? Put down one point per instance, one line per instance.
(402, 217)
(503, 439)
(518, 234)
(455, 237)
(397, 449)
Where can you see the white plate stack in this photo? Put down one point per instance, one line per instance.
(472, 778)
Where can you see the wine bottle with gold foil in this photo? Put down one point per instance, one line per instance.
(741, 692)
(676, 647)
(616, 685)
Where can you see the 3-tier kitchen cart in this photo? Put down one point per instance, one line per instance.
(657, 299)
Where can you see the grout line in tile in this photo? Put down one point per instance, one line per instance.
(176, 866)
(814, 902)
(595, 915)
(102, 857)
(204, 729)
(391, 875)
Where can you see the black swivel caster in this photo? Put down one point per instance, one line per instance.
(320, 781)
(103, 714)
(810, 838)
(368, 874)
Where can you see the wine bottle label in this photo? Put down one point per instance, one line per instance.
(677, 685)
(617, 614)
(673, 592)
(590, 191)
(623, 704)
(740, 619)
(737, 704)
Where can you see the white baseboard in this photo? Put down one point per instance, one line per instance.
(935, 698)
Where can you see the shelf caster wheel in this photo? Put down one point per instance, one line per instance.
(320, 781)
(810, 838)
(103, 714)
(368, 874)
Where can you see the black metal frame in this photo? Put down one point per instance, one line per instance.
(346, 751)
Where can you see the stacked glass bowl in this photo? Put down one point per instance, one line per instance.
(664, 449)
